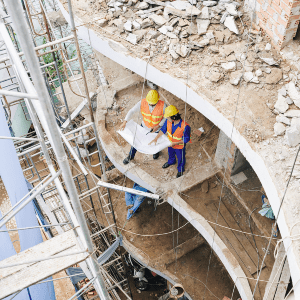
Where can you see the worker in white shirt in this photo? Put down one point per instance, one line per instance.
(152, 110)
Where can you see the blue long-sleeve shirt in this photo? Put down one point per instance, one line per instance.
(186, 133)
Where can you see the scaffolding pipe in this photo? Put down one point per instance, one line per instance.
(46, 116)
(25, 202)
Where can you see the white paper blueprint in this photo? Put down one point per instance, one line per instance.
(136, 136)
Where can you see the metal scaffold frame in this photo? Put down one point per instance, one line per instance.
(60, 195)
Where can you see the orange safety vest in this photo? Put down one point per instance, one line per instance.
(177, 135)
(154, 118)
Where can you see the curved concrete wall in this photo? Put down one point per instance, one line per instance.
(121, 55)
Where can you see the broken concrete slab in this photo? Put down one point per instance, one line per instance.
(136, 25)
(215, 76)
(143, 5)
(274, 76)
(231, 9)
(231, 25)
(279, 129)
(296, 123)
(282, 91)
(193, 11)
(270, 61)
(152, 34)
(128, 26)
(292, 113)
(292, 136)
(181, 5)
(146, 23)
(159, 20)
(102, 22)
(229, 66)
(281, 104)
(293, 93)
(248, 76)
(235, 77)
(239, 178)
(204, 13)
(172, 51)
(209, 3)
(202, 26)
(283, 119)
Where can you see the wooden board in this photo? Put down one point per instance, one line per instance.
(232, 242)
(13, 279)
(245, 239)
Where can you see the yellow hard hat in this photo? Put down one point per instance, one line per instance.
(171, 111)
(152, 97)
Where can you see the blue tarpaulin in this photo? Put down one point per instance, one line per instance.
(15, 184)
(135, 200)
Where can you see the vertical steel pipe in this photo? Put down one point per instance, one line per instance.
(46, 116)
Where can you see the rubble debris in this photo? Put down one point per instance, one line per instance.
(292, 136)
(293, 93)
(181, 5)
(102, 22)
(268, 47)
(231, 9)
(204, 13)
(214, 76)
(152, 34)
(202, 26)
(128, 26)
(274, 76)
(282, 91)
(172, 51)
(235, 77)
(229, 66)
(281, 104)
(283, 119)
(270, 61)
(279, 129)
(296, 123)
(143, 5)
(231, 25)
(292, 113)
(209, 3)
(258, 73)
(159, 20)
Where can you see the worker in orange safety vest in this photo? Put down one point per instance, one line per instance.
(179, 133)
(152, 110)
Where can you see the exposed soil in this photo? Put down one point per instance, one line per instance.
(195, 263)
(232, 214)
(195, 154)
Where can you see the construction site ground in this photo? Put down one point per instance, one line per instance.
(196, 151)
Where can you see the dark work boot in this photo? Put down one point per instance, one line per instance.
(127, 160)
(156, 155)
(166, 165)
(179, 174)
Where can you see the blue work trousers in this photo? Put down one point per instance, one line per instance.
(180, 154)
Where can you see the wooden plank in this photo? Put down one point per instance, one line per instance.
(243, 238)
(13, 279)
(230, 239)
(48, 248)
(181, 250)
(280, 273)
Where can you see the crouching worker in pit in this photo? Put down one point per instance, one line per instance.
(152, 110)
(179, 133)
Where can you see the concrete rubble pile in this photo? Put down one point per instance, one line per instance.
(288, 112)
(179, 28)
(176, 27)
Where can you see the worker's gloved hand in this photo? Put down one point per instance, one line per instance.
(123, 125)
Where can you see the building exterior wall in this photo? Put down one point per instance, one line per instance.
(278, 19)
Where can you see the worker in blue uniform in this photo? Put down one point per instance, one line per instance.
(179, 134)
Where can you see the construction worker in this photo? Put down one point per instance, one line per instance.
(179, 133)
(152, 110)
